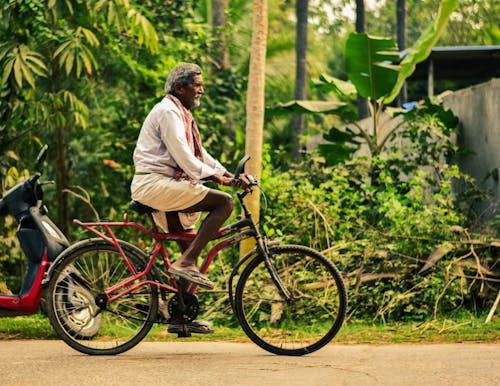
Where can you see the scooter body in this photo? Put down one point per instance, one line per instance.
(40, 239)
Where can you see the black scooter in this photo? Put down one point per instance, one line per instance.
(41, 241)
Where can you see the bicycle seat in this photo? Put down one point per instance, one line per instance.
(140, 208)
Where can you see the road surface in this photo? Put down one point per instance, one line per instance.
(53, 363)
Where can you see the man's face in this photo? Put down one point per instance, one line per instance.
(190, 95)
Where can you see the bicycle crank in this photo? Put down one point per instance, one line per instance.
(183, 308)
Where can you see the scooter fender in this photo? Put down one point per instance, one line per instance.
(38, 237)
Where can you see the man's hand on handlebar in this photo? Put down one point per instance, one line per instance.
(244, 182)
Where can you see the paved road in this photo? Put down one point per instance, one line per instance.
(50, 363)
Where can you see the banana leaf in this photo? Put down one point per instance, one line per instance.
(423, 46)
(341, 145)
(369, 64)
(316, 107)
(341, 88)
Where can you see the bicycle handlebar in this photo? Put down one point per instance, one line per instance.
(241, 167)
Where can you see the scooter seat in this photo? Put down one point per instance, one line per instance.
(140, 208)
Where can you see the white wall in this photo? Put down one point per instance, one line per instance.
(478, 109)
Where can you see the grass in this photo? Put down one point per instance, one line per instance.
(457, 330)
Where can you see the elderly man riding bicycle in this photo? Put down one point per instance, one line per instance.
(171, 165)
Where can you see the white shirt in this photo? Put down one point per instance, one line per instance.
(162, 146)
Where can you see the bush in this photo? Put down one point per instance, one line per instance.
(393, 224)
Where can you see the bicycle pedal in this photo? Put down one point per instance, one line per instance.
(184, 333)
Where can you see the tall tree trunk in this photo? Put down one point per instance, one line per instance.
(360, 16)
(302, 12)
(255, 105)
(219, 8)
(59, 131)
(62, 178)
(401, 38)
(363, 111)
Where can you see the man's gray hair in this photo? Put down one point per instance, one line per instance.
(183, 74)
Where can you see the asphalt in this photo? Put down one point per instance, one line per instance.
(45, 363)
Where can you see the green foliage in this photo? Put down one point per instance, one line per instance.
(419, 51)
(111, 62)
(380, 236)
(369, 64)
(383, 219)
(454, 328)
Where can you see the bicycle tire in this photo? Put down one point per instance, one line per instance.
(95, 266)
(314, 316)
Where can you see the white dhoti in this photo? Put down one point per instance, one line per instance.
(168, 195)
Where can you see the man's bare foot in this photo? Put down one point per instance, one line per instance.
(191, 275)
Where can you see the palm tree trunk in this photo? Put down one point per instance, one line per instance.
(302, 12)
(255, 105)
(360, 28)
(62, 178)
(401, 38)
(219, 8)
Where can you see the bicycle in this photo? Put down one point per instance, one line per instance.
(289, 299)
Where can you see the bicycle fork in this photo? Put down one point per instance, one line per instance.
(273, 272)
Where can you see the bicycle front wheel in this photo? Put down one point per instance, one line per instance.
(78, 308)
(305, 323)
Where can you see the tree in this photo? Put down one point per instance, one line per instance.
(374, 56)
(302, 11)
(360, 28)
(371, 64)
(255, 106)
(401, 40)
(221, 60)
(48, 78)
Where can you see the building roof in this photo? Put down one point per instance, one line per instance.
(460, 62)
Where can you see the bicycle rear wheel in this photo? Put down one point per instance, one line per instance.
(310, 320)
(76, 301)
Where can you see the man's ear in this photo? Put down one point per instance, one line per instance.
(178, 88)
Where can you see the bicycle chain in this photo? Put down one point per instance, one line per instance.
(177, 313)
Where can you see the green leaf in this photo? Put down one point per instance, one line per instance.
(335, 153)
(18, 73)
(5, 49)
(141, 27)
(68, 62)
(308, 107)
(7, 71)
(89, 35)
(28, 75)
(61, 48)
(340, 87)
(336, 135)
(341, 146)
(423, 46)
(37, 66)
(369, 64)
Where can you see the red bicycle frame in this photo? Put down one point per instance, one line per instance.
(128, 286)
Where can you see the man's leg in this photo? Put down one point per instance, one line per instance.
(174, 225)
(195, 326)
(219, 205)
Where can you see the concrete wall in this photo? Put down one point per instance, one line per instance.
(478, 109)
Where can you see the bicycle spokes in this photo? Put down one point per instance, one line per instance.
(306, 321)
(82, 302)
